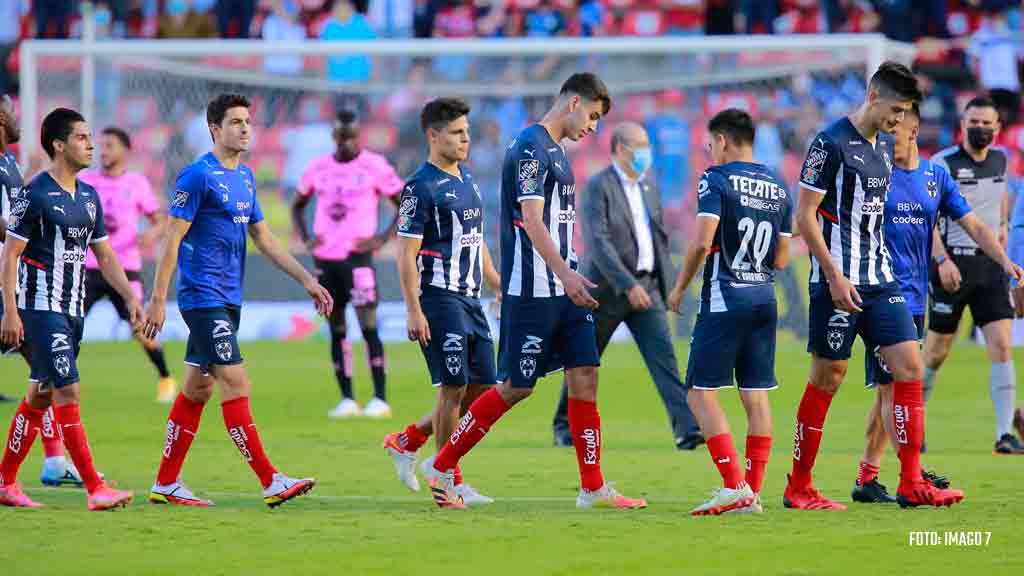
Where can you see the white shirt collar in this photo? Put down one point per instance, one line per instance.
(624, 177)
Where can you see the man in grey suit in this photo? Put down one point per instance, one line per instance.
(627, 256)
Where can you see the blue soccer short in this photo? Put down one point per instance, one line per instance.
(740, 341)
(875, 370)
(212, 337)
(461, 350)
(543, 335)
(53, 340)
(884, 320)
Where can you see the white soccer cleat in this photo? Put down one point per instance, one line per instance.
(176, 493)
(726, 500)
(471, 497)
(754, 508)
(405, 462)
(608, 497)
(377, 408)
(347, 408)
(284, 488)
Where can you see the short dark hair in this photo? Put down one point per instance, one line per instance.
(120, 134)
(346, 116)
(914, 112)
(57, 126)
(219, 106)
(735, 125)
(439, 112)
(981, 101)
(894, 80)
(588, 85)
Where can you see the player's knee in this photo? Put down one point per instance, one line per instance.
(829, 376)
(999, 350)
(338, 330)
(66, 395)
(512, 395)
(37, 399)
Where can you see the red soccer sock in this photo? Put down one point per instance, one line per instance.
(810, 422)
(723, 454)
(758, 450)
(585, 427)
(24, 427)
(908, 418)
(238, 421)
(412, 438)
(481, 415)
(52, 445)
(182, 425)
(69, 420)
(458, 475)
(866, 473)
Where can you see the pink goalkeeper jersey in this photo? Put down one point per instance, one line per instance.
(347, 199)
(125, 199)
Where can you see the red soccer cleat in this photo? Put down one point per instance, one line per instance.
(923, 493)
(807, 498)
(11, 495)
(106, 498)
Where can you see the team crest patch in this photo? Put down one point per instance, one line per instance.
(528, 366)
(816, 158)
(224, 350)
(408, 207)
(835, 340)
(454, 364)
(180, 198)
(90, 207)
(62, 364)
(933, 188)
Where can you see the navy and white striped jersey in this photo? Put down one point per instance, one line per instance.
(854, 177)
(753, 209)
(535, 168)
(11, 183)
(447, 213)
(59, 228)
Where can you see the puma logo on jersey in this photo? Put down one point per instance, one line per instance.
(858, 158)
(528, 152)
(59, 209)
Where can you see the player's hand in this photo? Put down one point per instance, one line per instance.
(312, 244)
(844, 295)
(1018, 300)
(576, 288)
(675, 299)
(11, 330)
(321, 298)
(136, 315)
(639, 299)
(1016, 273)
(419, 330)
(949, 276)
(371, 244)
(156, 313)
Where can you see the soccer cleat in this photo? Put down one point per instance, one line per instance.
(59, 473)
(922, 493)
(1018, 421)
(377, 408)
(405, 462)
(166, 390)
(807, 498)
(347, 408)
(754, 508)
(873, 492)
(608, 497)
(725, 500)
(284, 488)
(176, 493)
(442, 486)
(106, 498)
(11, 495)
(935, 479)
(1008, 444)
(690, 441)
(471, 497)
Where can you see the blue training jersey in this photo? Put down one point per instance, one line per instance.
(447, 213)
(753, 210)
(220, 203)
(58, 228)
(535, 168)
(916, 199)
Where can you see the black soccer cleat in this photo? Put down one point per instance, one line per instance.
(935, 479)
(872, 492)
(1008, 444)
(690, 442)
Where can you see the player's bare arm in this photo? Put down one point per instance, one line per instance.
(993, 247)
(844, 294)
(707, 227)
(409, 278)
(491, 275)
(376, 241)
(11, 330)
(781, 252)
(299, 204)
(156, 309)
(949, 273)
(575, 284)
(268, 244)
(113, 273)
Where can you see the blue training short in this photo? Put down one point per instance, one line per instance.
(53, 340)
(461, 350)
(740, 341)
(212, 337)
(884, 321)
(875, 370)
(543, 335)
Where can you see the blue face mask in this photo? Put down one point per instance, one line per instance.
(642, 160)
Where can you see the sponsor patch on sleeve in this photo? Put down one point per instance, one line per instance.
(528, 176)
(180, 198)
(816, 158)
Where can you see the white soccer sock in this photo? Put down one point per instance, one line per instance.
(1002, 386)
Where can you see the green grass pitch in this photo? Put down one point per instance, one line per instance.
(360, 520)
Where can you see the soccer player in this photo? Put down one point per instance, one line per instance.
(845, 179)
(442, 258)
(213, 207)
(125, 197)
(921, 192)
(546, 322)
(744, 222)
(964, 275)
(53, 221)
(348, 186)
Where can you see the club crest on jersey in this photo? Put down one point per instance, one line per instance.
(224, 350)
(62, 364)
(816, 158)
(835, 340)
(888, 161)
(933, 188)
(90, 207)
(528, 366)
(454, 364)
(180, 198)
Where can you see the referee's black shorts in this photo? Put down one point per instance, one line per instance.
(984, 287)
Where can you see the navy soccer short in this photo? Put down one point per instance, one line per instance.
(884, 321)
(53, 340)
(543, 335)
(461, 350)
(740, 341)
(212, 337)
(875, 370)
